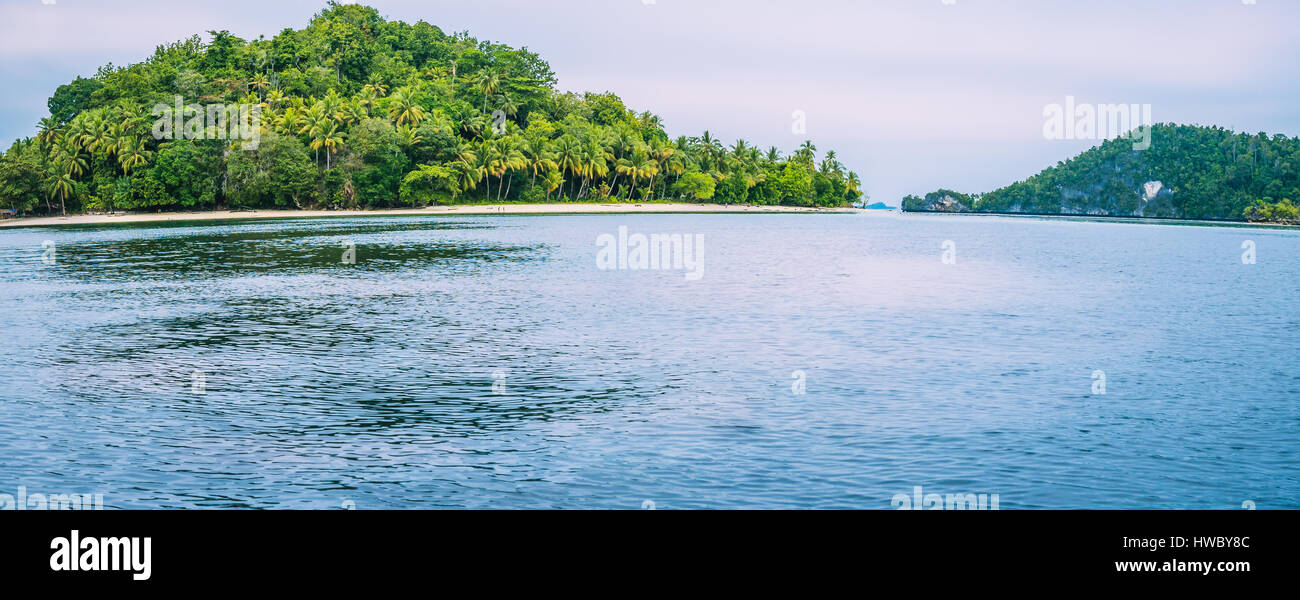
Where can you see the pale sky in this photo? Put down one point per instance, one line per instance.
(912, 94)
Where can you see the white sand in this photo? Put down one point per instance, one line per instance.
(435, 210)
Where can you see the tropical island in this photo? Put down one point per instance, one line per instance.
(1199, 173)
(355, 112)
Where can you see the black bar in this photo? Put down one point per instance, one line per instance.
(312, 549)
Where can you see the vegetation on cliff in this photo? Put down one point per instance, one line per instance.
(1188, 173)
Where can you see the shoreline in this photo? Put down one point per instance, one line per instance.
(468, 209)
(1100, 218)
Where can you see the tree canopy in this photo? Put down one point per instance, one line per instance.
(1188, 172)
(357, 112)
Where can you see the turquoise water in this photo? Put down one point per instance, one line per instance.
(487, 362)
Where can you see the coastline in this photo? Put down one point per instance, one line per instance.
(469, 209)
(1100, 218)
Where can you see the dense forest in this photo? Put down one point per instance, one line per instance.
(1188, 173)
(358, 112)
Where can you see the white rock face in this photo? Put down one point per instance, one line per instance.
(1152, 188)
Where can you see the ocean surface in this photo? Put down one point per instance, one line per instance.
(818, 361)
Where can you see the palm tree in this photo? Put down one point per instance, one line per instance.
(830, 165)
(637, 167)
(115, 139)
(464, 153)
(673, 164)
(623, 141)
(67, 155)
(72, 135)
(595, 164)
(739, 149)
(568, 155)
(407, 137)
(98, 137)
(404, 107)
(333, 142)
(648, 169)
(289, 121)
(133, 155)
(651, 121)
(475, 127)
(661, 154)
(618, 145)
(539, 159)
(275, 98)
(807, 152)
(50, 132)
(854, 184)
(85, 128)
(489, 83)
(260, 82)
(314, 126)
(354, 112)
(130, 117)
(552, 181)
(466, 176)
(710, 150)
(366, 99)
(509, 106)
(62, 186)
(512, 159)
(333, 105)
(489, 160)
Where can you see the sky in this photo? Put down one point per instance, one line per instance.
(914, 95)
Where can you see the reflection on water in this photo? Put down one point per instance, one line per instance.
(323, 381)
(267, 249)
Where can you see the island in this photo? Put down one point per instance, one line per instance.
(1188, 172)
(356, 113)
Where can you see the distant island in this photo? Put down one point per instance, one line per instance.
(357, 112)
(1188, 172)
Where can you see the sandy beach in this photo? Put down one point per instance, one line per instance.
(498, 209)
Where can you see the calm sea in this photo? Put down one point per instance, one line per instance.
(818, 361)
